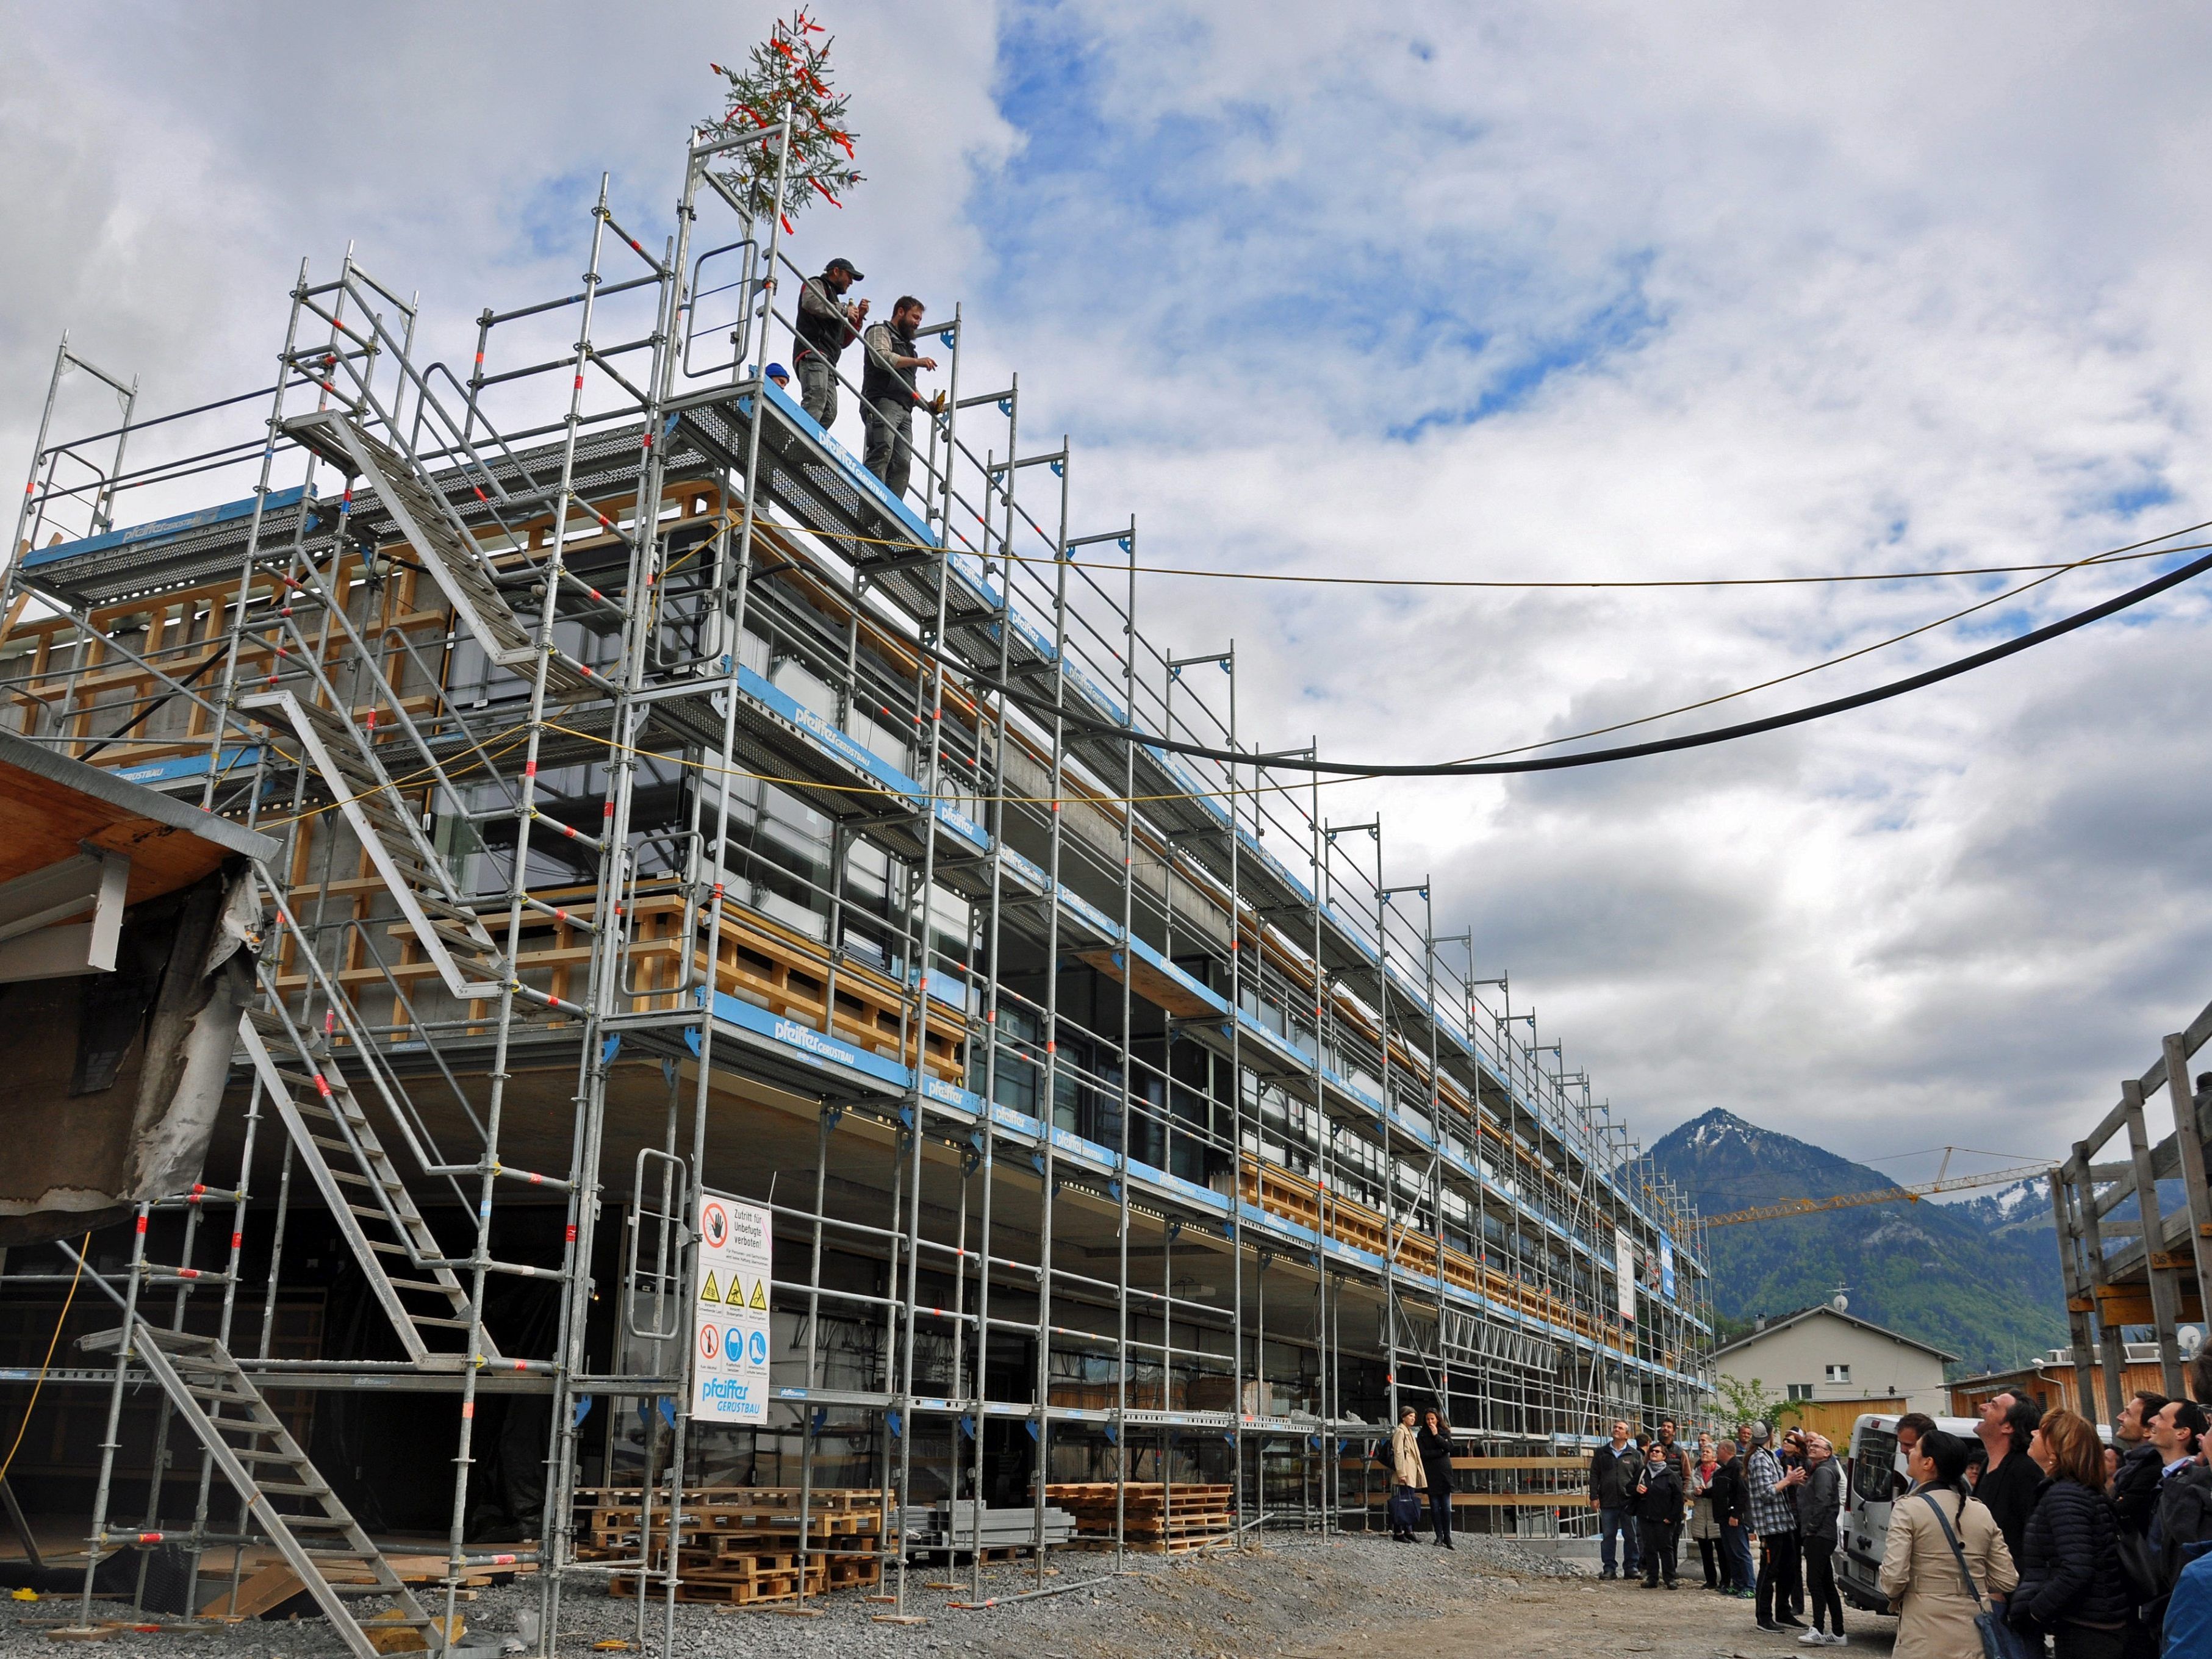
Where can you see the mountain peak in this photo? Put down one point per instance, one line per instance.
(1978, 1278)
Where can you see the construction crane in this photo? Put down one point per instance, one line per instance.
(1881, 1196)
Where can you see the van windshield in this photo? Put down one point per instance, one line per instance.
(1875, 1466)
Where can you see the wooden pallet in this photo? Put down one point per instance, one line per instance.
(611, 1521)
(1187, 1515)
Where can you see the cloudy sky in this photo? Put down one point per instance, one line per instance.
(1505, 292)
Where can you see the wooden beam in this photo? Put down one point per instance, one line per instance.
(2189, 1142)
(2165, 1314)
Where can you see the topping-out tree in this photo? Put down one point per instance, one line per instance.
(786, 74)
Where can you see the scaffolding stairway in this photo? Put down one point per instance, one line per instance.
(452, 936)
(453, 556)
(257, 1455)
(358, 1181)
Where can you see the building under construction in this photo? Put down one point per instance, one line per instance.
(696, 973)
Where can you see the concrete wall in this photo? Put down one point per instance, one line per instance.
(1882, 1367)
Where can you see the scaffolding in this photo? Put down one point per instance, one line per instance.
(2125, 1257)
(674, 818)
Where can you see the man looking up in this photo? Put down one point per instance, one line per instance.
(2134, 1486)
(2011, 1483)
(1612, 1476)
(887, 394)
(826, 325)
(1731, 1501)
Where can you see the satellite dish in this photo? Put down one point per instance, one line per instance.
(1842, 1304)
(2190, 1338)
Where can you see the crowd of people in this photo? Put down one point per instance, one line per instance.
(2029, 1537)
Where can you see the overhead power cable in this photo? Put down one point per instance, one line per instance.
(1471, 768)
(2116, 556)
(2149, 548)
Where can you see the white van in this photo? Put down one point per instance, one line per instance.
(1873, 1481)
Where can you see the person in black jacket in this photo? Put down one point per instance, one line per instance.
(1611, 1494)
(1731, 1502)
(1819, 1513)
(2134, 1486)
(2071, 1585)
(1437, 1452)
(1659, 1514)
(2009, 1485)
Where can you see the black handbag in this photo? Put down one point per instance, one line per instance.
(1404, 1509)
(1999, 1639)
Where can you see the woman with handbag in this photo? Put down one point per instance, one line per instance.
(1943, 1559)
(1406, 1479)
(2071, 1585)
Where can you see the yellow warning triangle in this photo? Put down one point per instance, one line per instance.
(713, 1291)
(760, 1296)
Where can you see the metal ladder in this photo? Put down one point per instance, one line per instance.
(452, 936)
(363, 1190)
(453, 556)
(245, 1439)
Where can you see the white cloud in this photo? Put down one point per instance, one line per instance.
(1717, 289)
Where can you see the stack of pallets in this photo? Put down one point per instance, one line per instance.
(1160, 1520)
(740, 1545)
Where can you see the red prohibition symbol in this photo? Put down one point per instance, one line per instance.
(709, 1338)
(714, 1225)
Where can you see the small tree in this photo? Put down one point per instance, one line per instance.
(787, 75)
(1750, 1401)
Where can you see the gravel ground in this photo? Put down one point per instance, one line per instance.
(1537, 1619)
(1282, 1597)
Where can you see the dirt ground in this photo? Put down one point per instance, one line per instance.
(1569, 1619)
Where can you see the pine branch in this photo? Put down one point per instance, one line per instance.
(787, 77)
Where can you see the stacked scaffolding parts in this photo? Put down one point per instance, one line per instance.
(674, 818)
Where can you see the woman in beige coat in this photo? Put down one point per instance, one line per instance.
(1920, 1573)
(1405, 1464)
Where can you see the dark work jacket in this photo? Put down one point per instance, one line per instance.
(2069, 1564)
(823, 328)
(2010, 1491)
(880, 378)
(1659, 1496)
(2135, 1488)
(1436, 1452)
(1728, 1495)
(1613, 1479)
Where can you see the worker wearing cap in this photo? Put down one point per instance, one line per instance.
(781, 375)
(887, 393)
(826, 325)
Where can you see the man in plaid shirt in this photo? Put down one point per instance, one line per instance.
(1774, 1518)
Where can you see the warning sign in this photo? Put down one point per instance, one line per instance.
(729, 1367)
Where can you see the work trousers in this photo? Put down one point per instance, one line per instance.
(1781, 1587)
(889, 453)
(1713, 1558)
(1820, 1585)
(1735, 1549)
(1623, 1522)
(818, 389)
(1660, 1538)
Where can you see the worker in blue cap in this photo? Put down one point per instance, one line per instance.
(826, 325)
(781, 375)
